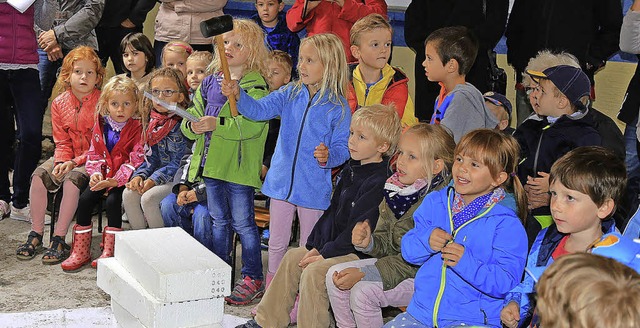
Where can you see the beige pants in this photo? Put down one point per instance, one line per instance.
(309, 283)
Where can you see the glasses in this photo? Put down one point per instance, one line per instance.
(166, 93)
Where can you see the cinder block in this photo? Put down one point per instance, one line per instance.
(123, 317)
(116, 281)
(171, 265)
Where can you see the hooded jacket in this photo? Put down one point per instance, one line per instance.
(472, 291)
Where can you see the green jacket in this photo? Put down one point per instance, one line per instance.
(237, 144)
(386, 245)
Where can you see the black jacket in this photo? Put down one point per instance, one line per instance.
(631, 103)
(588, 29)
(116, 11)
(356, 198)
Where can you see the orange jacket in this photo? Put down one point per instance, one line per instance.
(72, 120)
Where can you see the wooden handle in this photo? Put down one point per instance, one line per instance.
(225, 71)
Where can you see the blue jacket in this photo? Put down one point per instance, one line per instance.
(622, 249)
(164, 161)
(281, 38)
(295, 175)
(471, 292)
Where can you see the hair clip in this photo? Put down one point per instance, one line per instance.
(188, 49)
(512, 174)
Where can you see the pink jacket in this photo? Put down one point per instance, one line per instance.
(17, 38)
(329, 17)
(72, 120)
(180, 20)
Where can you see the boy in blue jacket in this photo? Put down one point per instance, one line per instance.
(586, 185)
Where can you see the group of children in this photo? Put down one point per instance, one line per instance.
(429, 216)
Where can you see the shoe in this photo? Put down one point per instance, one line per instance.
(250, 324)
(245, 291)
(5, 209)
(80, 249)
(21, 214)
(108, 243)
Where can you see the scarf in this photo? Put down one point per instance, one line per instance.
(401, 197)
(159, 126)
(462, 213)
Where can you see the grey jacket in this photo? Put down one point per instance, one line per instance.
(74, 23)
(467, 112)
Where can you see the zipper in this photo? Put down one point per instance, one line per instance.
(295, 155)
(443, 272)
(535, 159)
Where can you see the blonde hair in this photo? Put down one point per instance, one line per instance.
(546, 59)
(435, 143)
(80, 53)
(252, 37)
(336, 73)
(500, 153)
(584, 290)
(146, 105)
(177, 46)
(283, 59)
(204, 56)
(367, 24)
(383, 122)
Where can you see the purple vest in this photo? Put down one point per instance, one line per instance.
(18, 43)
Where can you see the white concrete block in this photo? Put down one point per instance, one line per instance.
(131, 296)
(171, 265)
(123, 318)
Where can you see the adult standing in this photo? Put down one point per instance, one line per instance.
(332, 16)
(485, 18)
(119, 18)
(587, 29)
(180, 20)
(20, 90)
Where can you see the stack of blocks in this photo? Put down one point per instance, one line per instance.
(164, 278)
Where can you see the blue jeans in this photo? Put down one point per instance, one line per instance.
(231, 206)
(631, 160)
(48, 75)
(20, 88)
(174, 215)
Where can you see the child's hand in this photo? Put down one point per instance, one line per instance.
(206, 124)
(148, 184)
(438, 239)
(309, 258)
(510, 315)
(104, 184)
(321, 153)
(452, 253)
(230, 88)
(63, 168)
(361, 234)
(347, 278)
(95, 178)
(135, 184)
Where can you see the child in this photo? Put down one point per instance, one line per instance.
(335, 17)
(197, 64)
(450, 52)
(175, 55)
(229, 151)
(501, 108)
(374, 81)
(111, 160)
(72, 117)
(374, 133)
(313, 139)
(468, 241)
(559, 99)
(359, 289)
(585, 290)
(138, 58)
(164, 146)
(586, 186)
(278, 36)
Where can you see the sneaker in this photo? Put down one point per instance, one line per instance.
(24, 214)
(245, 291)
(5, 209)
(250, 324)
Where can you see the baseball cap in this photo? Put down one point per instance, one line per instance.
(571, 81)
(499, 100)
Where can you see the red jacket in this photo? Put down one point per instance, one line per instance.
(329, 17)
(123, 159)
(72, 120)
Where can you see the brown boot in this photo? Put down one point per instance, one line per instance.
(81, 248)
(109, 241)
